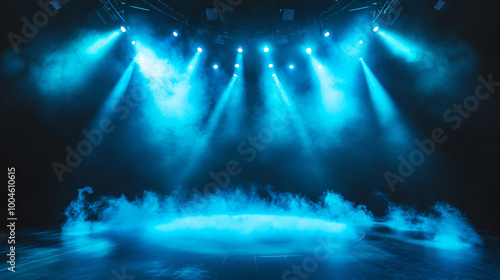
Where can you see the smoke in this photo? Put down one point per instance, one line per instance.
(255, 221)
(443, 226)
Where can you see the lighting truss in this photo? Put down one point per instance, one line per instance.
(386, 12)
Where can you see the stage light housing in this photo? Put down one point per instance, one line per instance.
(327, 34)
(375, 29)
(216, 66)
(308, 50)
(200, 50)
(237, 66)
(240, 49)
(175, 34)
(291, 66)
(271, 65)
(266, 49)
(123, 29)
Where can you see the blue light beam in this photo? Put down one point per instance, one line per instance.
(387, 113)
(401, 46)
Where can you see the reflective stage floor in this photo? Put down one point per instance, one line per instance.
(45, 253)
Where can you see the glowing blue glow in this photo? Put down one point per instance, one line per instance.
(200, 50)
(240, 49)
(249, 223)
(332, 97)
(123, 29)
(175, 34)
(237, 66)
(361, 42)
(445, 227)
(102, 43)
(388, 116)
(239, 222)
(216, 66)
(384, 106)
(212, 123)
(308, 50)
(327, 34)
(229, 218)
(291, 66)
(133, 42)
(375, 29)
(401, 47)
(169, 87)
(266, 49)
(298, 122)
(68, 68)
(116, 94)
(271, 65)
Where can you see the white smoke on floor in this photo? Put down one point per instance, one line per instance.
(257, 221)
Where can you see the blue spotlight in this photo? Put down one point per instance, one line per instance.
(240, 49)
(235, 75)
(375, 29)
(320, 67)
(123, 29)
(200, 50)
(308, 50)
(175, 34)
(216, 66)
(237, 65)
(401, 46)
(291, 66)
(102, 43)
(266, 49)
(327, 34)
(361, 42)
(271, 65)
(133, 42)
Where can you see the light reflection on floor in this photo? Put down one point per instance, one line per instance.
(381, 254)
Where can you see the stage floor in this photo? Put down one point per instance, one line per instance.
(45, 253)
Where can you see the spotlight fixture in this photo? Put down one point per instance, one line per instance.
(123, 29)
(133, 42)
(216, 66)
(439, 5)
(287, 14)
(240, 49)
(211, 13)
(235, 75)
(200, 50)
(237, 65)
(375, 29)
(266, 49)
(175, 34)
(308, 50)
(56, 4)
(361, 42)
(291, 66)
(271, 65)
(360, 58)
(327, 34)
